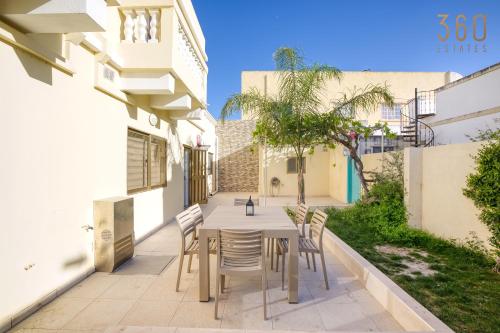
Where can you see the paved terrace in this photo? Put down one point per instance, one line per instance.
(149, 303)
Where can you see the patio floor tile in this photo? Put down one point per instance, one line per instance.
(93, 286)
(303, 317)
(197, 314)
(140, 329)
(344, 317)
(100, 314)
(164, 289)
(150, 313)
(56, 314)
(276, 294)
(246, 316)
(128, 287)
(150, 304)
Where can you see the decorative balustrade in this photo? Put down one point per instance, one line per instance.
(141, 25)
(188, 54)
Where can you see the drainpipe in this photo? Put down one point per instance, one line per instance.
(382, 144)
(265, 151)
(265, 174)
(416, 118)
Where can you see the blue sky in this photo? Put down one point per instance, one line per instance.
(351, 35)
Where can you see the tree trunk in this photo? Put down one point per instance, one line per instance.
(301, 198)
(359, 168)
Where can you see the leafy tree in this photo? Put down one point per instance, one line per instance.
(483, 187)
(285, 120)
(340, 125)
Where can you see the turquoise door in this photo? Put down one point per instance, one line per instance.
(353, 184)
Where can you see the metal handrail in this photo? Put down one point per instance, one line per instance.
(424, 103)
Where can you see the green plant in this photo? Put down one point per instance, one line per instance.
(340, 124)
(483, 187)
(463, 292)
(297, 116)
(284, 120)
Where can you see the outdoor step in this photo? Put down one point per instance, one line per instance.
(170, 329)
(425, 115)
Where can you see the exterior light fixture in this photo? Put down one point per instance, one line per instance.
(250, 207)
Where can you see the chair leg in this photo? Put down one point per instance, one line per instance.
(272, 253)
(277, 260)
(189, 263)
(264, 289)
(181, 259)
(268, 246)
(314, 262)
(322, 255)
(307, 258)
(283, 272)
(217, 283)
(222, 283)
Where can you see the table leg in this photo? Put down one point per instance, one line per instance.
(293, 268)
(204, 269)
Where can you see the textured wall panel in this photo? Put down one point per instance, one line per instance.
(238, 158)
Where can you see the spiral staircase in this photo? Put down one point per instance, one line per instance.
(415, 132)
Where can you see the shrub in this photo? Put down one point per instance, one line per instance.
(483, 186)
(383, 205)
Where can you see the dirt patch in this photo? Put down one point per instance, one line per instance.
(411, 259)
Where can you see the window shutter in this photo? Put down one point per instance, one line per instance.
(137, 156)
(158, 161)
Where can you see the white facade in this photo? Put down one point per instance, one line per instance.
(466, 106)
(64, 128)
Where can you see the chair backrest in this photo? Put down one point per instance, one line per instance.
(185, 222)
(197, 214)
(300, 217)
(240, 248)
(317, 225)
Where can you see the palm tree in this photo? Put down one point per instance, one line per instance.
(284, 120)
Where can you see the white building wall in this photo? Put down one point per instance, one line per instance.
(467, 106)
(65, 145)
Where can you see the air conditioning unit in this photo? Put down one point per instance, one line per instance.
(113, 232)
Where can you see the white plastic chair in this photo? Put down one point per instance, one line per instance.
(312, 244)
(240, 253)
(187, 227)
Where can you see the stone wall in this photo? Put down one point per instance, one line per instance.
(238, 165)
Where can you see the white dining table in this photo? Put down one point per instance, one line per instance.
(273, 221)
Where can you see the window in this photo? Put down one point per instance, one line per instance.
(210, 163)
(146, 161)
(158, 161)
(292, 167)
(391, 113)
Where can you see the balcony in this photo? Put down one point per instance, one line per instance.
(426, 103)
(55, 16)
(158, 54)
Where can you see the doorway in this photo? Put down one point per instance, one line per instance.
(187, 174)
(353, 183)
(195, 176)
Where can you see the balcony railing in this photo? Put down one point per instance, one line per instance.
(189, 56)
(426, 104)
(141, 25)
